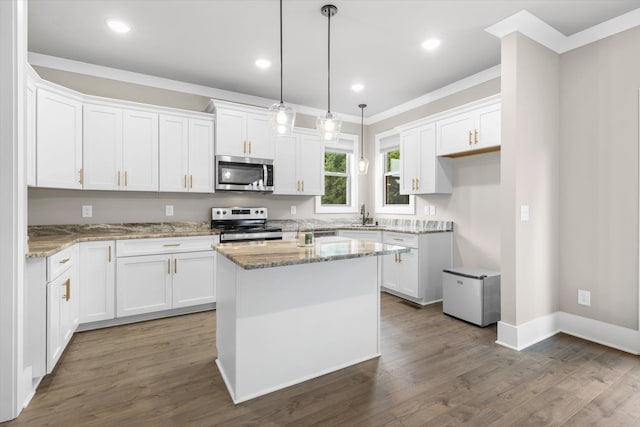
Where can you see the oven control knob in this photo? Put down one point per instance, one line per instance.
(224, 212)
(257, 212)
(262, 212)
(217, 212)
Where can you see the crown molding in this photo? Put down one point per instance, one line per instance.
(94, 70)
(533, 27)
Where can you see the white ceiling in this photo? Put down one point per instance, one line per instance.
(376, 42)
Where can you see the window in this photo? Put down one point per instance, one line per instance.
(340, 182)
(388, 197)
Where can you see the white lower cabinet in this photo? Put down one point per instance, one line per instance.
(63, 306)
(368, 235)
(417, 275)
(163, 274)
(144, 284)
(97, 269)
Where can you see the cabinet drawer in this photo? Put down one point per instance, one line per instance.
(401, 239)
(136, 247)
(60, 262)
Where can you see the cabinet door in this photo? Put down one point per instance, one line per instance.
(408, 282)
(488, 126)
(97, 276)
(311, 164)
(391, 272)
(54, 335)
(102, 139)
(58, 141)
(285, 179)
(31, 132)
(143, 284)
(231, 136)
(409, 150)
(193, 279)
(140, 150)
(455, 134)
(201, 156)
(259, 136)
(434, 173)
(174, 153)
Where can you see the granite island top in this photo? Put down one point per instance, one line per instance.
(279, 253)
(46, 240)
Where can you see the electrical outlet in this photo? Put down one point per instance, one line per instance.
(168, 210)
(584, 297)
(87, 211)
(293, 210)
(426, 210)
(524, 213)
(432, 210)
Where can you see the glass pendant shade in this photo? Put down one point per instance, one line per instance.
(363, 166)
(329, 125)
(283, 118)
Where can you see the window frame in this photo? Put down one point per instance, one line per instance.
(385, 142)
(346, 144)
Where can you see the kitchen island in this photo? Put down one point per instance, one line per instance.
(288, 313)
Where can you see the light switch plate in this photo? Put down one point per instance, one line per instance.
(432, 210)
(87, 211)
(426, 210)
(293, 210)
(168, 210)
(584, 297)
(524, 213)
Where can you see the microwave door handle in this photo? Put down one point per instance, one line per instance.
(264, 170)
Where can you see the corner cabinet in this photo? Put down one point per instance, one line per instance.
(421, 171)
(58, 140)
(186, 154)
(417, 275)
(476, 130)
(162, 274)
(299, 164)
(242, 131)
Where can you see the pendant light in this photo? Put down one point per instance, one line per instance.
(329, 124)
(363, 164)
(282, 116)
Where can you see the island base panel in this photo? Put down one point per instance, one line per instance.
(294, 323)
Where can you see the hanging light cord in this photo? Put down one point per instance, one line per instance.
(362, 132)
(329, 61)
(281, 98)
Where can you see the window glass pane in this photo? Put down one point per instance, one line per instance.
(335, 190)
(393, 161)
(335, 162)
(392, 194)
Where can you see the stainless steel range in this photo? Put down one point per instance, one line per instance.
(243, 224)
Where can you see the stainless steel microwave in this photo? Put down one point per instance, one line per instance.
(244, 174)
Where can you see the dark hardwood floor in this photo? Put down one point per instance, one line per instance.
(434, 370)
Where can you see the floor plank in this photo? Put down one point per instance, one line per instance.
(434, 370)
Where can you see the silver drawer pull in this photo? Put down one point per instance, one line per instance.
(64, 261)
(169, 245)
(398, 239)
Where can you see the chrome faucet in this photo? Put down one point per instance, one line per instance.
(362, 212)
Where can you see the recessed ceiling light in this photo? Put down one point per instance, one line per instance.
(357, 87)
(118, 26)
(263, 64)
(431, 44)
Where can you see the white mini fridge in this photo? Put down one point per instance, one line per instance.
(471, 294)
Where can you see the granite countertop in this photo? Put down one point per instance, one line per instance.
(279, 253)
(46, 240)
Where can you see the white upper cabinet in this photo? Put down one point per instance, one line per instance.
(58, 140)
(120, 149)
(186, 154)
(31, 131)
(243, 131)
(298, 164)
(476, 130)
(421, 172)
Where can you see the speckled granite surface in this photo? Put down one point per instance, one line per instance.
(279, 253)
(45, 240)
(413, 226)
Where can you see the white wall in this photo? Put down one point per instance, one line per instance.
(599, 179)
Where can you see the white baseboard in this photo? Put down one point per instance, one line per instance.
(525, 335)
